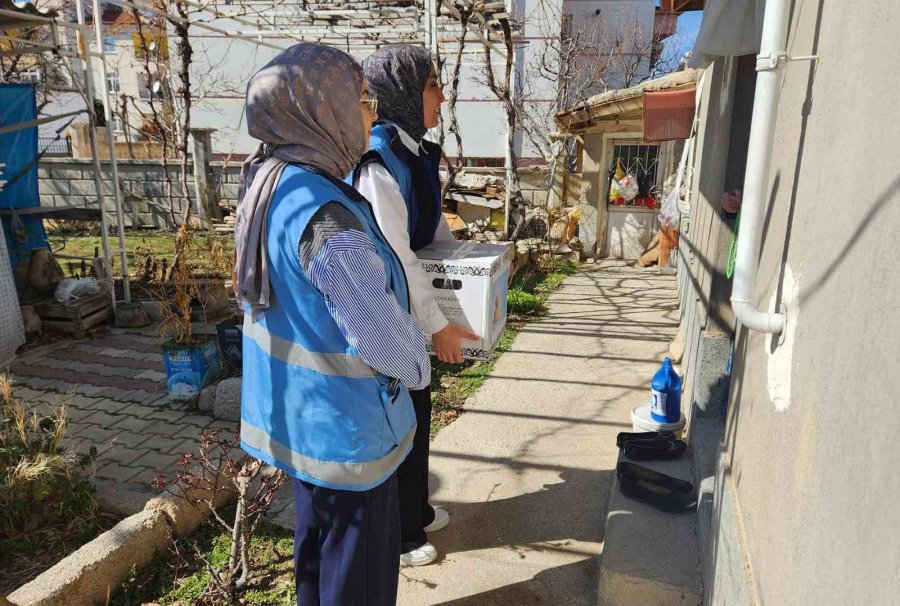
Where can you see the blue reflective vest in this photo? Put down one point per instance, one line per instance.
(309, 404)
(417, 177)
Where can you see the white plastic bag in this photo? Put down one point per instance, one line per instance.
(627, 187)
(76, 288)
(669, 215)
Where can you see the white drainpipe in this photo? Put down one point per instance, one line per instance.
(771, 57)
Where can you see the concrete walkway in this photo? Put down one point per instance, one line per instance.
(526, 472)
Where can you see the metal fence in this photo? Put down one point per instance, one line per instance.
(55, 147)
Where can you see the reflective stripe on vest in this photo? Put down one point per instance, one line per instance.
(334, 364)
(368, 473)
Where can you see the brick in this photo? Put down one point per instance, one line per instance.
(133, 424)
(117, 472)
(65, 173)
(53, 186)
(131, 439)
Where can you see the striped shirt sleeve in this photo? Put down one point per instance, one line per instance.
(342, 263)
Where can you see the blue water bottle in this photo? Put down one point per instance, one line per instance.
(666, 389)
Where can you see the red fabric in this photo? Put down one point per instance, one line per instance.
(668, 115)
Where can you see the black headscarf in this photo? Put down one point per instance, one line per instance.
(397, 76)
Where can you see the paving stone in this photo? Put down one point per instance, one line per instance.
(137, 411)
(152, 375)
(112, 352)
(164, 413)
(98, 435)
(138, 395)
(167, 429)
(58, 385)
(144, 476)
(134, 355)
(88, 390)
(154, 398)
(35, 382)
(123, 455)
(80, 414)
(81, 401)
(26, 394)
(171, 445)
(189, 432)
(117, 472)
(159, 462)
(109, 406)
(116, 393)
(201, 421)
(131, 440)
(104, 420)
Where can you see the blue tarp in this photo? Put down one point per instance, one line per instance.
(18, 151)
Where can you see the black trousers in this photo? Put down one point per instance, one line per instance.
(347, 545)
(412, 478)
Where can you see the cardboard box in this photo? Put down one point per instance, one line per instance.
(470, 283)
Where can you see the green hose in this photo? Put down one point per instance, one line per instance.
(732, 252)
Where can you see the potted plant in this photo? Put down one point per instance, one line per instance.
(191, 360)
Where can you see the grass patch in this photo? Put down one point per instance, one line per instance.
(180, 576)
(139, 243)
(451, 384)
(46, 509)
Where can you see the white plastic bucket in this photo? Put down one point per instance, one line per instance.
(642, 421)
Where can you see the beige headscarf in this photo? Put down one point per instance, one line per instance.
(304, 108)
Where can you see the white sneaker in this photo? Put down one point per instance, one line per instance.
(441, 519)
(424, 555)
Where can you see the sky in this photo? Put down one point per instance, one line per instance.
(686, 30)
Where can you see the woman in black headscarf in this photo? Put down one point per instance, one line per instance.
(399, 176)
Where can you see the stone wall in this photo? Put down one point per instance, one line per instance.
(70, 182)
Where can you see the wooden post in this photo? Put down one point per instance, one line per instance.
(205, 196)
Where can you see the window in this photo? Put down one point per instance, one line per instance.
(641, 162)
(117, 125)
(113, 84)
(109, 44)
(150, 88)
(33, 75)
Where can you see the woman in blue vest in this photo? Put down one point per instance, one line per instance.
(399, 176)
(330, 349)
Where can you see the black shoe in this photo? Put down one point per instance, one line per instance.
(648, 450)
(656, 489)
(625, 437)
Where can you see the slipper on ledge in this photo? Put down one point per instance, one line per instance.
(648, 450)
(656, 489)
(625, 437)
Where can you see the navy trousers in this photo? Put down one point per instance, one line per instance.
(347, 545)
(412, 478)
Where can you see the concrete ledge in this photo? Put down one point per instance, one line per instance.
(87, 575)
(650, 557)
